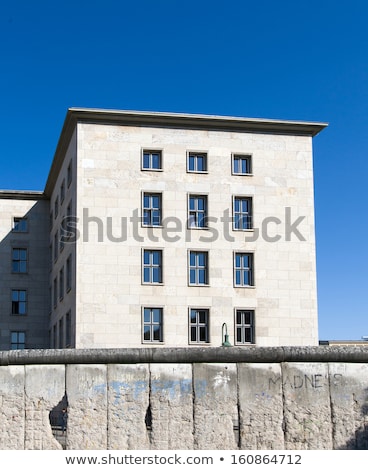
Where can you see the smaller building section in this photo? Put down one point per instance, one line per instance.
(24, 270)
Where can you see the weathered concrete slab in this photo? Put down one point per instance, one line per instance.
(349, 402)
(260, 406)
(128, 401)
(87, 411)
(12, 408)
(45, 388)
(215, 406)
(307, 410)
(171, 403)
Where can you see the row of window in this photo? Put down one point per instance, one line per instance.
(199, 325)
(242, 209)
(61, 332)
(197, 162)
(198, 268)
(63, 282)
(61, 197)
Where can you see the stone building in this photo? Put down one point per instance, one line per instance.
(163, 229)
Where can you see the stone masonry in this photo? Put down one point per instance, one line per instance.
(210, 398)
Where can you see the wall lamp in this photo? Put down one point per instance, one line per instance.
(225, 337)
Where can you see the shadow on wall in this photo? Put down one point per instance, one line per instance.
(24, 275)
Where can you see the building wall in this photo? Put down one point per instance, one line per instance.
(124, 401)
(63, 248)
(33, 321)
(110, 183)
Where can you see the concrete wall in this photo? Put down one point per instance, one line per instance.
(210, 398)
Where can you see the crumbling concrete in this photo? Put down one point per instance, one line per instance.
(125, 400)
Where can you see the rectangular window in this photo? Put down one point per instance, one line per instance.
(152, 325)
(244, 326)
(152, 266)
(198, 268)
(61, 333)
(55, 292)
(20, 224)
(56, 245)
(54, 337)
(62, 192)
(151, 160)
(242, 213)
(197, 162)
(56, 207)
(19, 302)
(152, 209)
(69, 273)
(242, 165)
(17, 340)
(19, 260)
(61, 284)
(68, 329)
(197, 216)
(69, 174)
(243, 269)
(199, 325)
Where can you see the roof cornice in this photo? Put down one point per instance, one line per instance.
(196, 121)
(22, 195)
(173, 120)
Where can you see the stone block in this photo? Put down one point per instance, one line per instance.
(87, 397)
(128, 403)
(260, 406)
(307, 410)
(45, 388)
(215, 406)
(171, 406)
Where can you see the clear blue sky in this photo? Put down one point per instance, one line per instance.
(283, 60)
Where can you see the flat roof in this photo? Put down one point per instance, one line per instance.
(22, 195)
(173, 120)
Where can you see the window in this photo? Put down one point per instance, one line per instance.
(244, 326)
(62, 192)
(68, 329)
(151, 209)
(197, 162)
(152, 160)
(61, 284)
(243, 269)
(61, 333)
(242, 165)
(19, 260)
(69, 174)
(199, 325)
(19, 302)
(242, 213)
(55, 292)
(69, 273)
(152, 325)
(54, 337)
(56, 246)
(56, 207)
(198, 268)
(20, 224)
(17, 340)
(152, 266)
(197, 217)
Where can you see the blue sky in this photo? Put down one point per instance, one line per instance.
(282, 60)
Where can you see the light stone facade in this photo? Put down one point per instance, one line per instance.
(98, 289)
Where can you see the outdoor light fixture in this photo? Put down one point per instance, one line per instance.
(225, 337)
